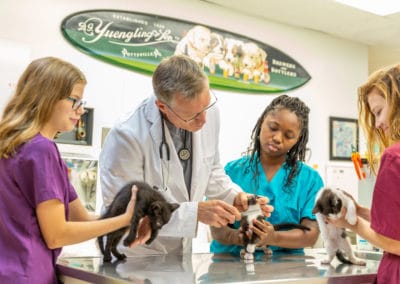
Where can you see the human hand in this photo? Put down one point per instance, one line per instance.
(348, 194)
(217, 213)
(130, 208)
(242, 204)
(226, 235)
(143, 232)
(144, 227)
(352, 198)
(241, 201)
(265, 208)
(361, 211)
(265, 232)
(340, 221)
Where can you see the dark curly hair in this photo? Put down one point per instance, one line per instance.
(298, 151)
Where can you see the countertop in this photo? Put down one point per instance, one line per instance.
(219, 268)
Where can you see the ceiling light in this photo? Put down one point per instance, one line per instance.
(378, 7)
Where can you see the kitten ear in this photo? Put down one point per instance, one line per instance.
(317, 208)
(173, 206)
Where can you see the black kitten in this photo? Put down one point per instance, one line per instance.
(149, 203)
(254, 212)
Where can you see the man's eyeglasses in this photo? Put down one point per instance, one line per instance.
(213, 101)
(76, 103)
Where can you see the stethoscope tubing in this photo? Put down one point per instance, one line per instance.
(164, 143)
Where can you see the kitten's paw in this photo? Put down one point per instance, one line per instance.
(358, 261)
(352, 220)
(248, 257)
(351, 214)
(107, 259)
(268, 251)
(242, 253)
(251, 248)
(325, 262)
(127, 242)
(121, 256)
(149, 241)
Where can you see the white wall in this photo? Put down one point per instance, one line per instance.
(337, 67)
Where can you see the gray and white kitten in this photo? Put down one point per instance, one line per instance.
(329, 203)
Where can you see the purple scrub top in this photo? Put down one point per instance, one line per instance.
(36, 173)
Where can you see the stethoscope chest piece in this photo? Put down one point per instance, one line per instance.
(184, 154)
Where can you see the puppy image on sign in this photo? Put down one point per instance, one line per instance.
(195, 44)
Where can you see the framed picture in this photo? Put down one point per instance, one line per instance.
(343, 138)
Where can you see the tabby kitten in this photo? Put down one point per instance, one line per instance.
(252, 213)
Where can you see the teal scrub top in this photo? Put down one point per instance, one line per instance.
(290, 204)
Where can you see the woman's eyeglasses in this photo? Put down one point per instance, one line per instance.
(76, 103)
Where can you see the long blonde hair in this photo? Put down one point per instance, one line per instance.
(44, 82)
(387, 82)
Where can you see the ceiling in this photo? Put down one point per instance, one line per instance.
(381, 34)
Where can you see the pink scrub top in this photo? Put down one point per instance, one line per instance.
(385, 211)
(35, 174)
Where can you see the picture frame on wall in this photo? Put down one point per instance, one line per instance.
(343, 138)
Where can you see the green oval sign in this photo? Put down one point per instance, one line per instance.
(138, 42)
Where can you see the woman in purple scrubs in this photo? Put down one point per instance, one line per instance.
(39, 209)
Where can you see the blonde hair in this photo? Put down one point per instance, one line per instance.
(44, 82)
(386, 82)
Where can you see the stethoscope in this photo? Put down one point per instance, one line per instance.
(164, 147)
(183, 154)
(164, 143)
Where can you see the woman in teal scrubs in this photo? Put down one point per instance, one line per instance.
(274, 167)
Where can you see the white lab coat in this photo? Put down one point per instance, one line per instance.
(131, 152)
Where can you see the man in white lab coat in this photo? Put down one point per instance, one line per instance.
(170, 141)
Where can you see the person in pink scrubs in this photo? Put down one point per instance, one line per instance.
(379, 116)
(39, 209)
